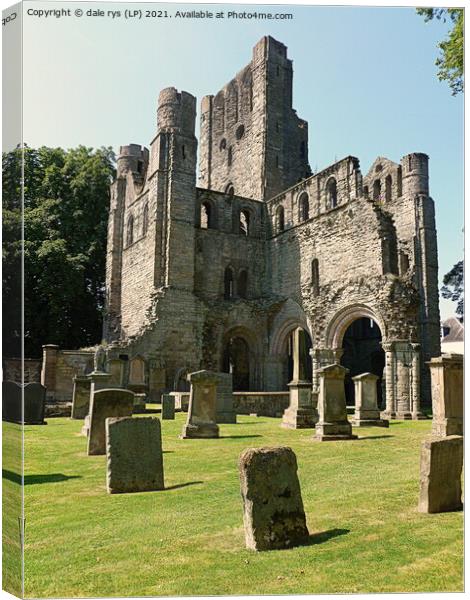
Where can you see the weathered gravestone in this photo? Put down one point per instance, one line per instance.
(225, 412)
(447, 394)
(201, 421)
(34, 404)
(134, 455)
(333, 421)
(11, 402)
(440, 474)
(181, 401)
(81, 397)
(273, 511)
(104, 404)
(168, 406)
(140, 401)
(301, 413)
(367, 412)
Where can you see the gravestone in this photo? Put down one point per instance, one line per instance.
(201, 422)
(273, 511)
(181, 401)
(81, 397)
(367, 412)
(139, 403)
(168, 406)
(333, 421)
(134, 455)
(440, 474)
(11, 401)
(225, 410)
(34, 404)
(301, 413)
(447, 394)
(106, 403)
(86, 426)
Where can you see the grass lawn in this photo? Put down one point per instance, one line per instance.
(360, 498)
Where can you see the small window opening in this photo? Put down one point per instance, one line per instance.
(130, 230)
(228, 283)
(145, 219)
(244, 222)
(229, 156)
(304, 207)
(240, 132)
(377, 189)
(206, 215)
(399, 182)
(223, 144)
(280, 224)
(183, 151)
(315, 277)
(388, 188)
(331, 193)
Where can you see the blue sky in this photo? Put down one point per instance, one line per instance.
(364, 78)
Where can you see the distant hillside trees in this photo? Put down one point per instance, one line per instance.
(66, 203)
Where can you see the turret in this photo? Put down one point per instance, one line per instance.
(415, 174)
(176, 111)
(132, 159)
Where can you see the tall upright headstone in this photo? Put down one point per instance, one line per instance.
(367, 412)
(333, 421)
(447, 394)
(134, 455)
(168, 406)
(106, 403)
(301, 413)
(273, 511)
(440, 474)
(11, 402)
(34, 403)
(81, 396)
(202, 414)
(225, 412)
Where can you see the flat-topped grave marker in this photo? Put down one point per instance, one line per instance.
(106, 403)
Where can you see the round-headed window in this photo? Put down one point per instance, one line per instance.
(223, 144)
(240, 132)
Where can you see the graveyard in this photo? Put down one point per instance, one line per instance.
(360, 498)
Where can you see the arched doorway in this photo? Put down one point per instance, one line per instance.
(363, 353)
(236, 360)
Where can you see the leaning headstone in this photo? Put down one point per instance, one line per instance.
(134, 455)
(34, 403)
(104, 404)
(440, 474)
(168, 406)
(80, 397)
(273, 511)
(225, 410)
(333, 421)
(447, 394)
(11, 401)
(201, 422)
(367, 412)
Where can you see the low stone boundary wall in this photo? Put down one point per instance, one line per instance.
(263, 404)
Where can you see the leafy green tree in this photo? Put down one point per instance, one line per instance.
(450, 61)
(453, 287)
(66, 200)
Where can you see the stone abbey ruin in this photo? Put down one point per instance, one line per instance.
(254, 265)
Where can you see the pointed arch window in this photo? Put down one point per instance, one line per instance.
(145, 220)
(304, 207)
(280, 223)
(331, 193)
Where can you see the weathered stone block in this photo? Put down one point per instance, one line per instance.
(104, 404)
(447, 394)
(168, 406)
(139, 404)
(225, 412)
(134, 455)
(81, 397)
(333, 421)
(440, 474)
(273, 511)
(202, 412)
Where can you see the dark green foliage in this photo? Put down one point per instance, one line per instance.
(453, 286)
(450, 62)
(66, 200)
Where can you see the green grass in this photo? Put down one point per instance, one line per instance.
(360, 498)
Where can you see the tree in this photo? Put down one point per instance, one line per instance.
(453, 286)
(66, 201)
(450, 62)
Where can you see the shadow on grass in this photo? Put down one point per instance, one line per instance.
(35, 479)
(324, 536)
(181, 485)
(374, 437)
(239, 437)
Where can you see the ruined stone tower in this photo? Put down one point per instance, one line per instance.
(220, 275)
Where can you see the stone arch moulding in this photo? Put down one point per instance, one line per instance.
(290, 317)
(344, 317)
